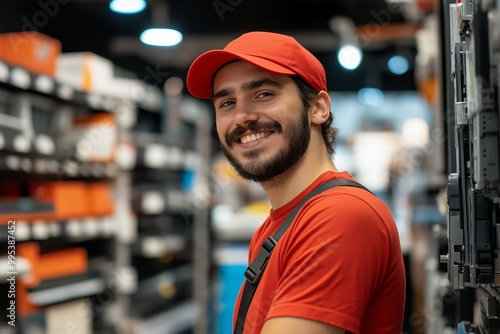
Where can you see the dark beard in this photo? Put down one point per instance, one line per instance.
(276, 167)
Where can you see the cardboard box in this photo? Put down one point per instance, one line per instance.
(97, 137)
(53, 264)
(70, 199)
(60, 263)
(101, 202)
(85, 71)
(32, 50)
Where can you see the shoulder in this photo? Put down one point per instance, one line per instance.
(348, 196)
(346, 215)
(348, 201)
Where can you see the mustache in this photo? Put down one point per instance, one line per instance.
(254, 126)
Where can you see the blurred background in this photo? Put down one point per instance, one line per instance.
(118, 212)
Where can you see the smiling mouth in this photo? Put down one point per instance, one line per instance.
(253, 137)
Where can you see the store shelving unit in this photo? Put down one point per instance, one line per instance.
(62, 202)
(105, 207)
(173, 147)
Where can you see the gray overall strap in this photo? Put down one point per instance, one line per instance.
(256, 268)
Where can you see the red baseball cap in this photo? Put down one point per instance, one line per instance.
(272, 52)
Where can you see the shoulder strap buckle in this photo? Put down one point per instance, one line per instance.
(256, 268)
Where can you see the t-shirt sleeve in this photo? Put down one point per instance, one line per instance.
(332, 261)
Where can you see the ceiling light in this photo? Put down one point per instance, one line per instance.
(350, 56)
(127, 6)
(161, 37)
(398, 65)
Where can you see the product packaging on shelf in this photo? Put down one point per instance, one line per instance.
(84, 71)
(92, 73)
(31, 50)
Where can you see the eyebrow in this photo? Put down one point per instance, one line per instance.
(247, 86)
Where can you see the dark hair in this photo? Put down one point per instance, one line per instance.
(308, 95)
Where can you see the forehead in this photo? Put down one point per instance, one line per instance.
(237, 72)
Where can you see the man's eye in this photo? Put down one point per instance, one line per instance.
(264, 94)
(226, 104)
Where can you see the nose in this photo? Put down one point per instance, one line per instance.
(244, 114)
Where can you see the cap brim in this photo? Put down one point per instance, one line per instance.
(201, 73)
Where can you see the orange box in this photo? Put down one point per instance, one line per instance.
(101, 200)
(54, 264)
(70, 199)
(32, 50)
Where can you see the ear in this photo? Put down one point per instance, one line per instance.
(320, 111)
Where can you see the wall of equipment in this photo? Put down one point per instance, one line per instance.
(101, 224)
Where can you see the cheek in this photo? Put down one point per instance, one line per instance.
(222, 128)
(284, 110)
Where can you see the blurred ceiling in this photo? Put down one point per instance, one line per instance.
(384, 29)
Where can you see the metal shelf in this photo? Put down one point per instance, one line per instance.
(16, 77)
(172, 321)
(22, 163)
(67, 288)
(72, 230)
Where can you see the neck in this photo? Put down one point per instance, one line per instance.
(288, 185)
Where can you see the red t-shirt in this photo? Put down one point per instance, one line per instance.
(340, 263)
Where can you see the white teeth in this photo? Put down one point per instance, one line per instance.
(253, 137)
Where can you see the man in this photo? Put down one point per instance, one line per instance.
(339, 267)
